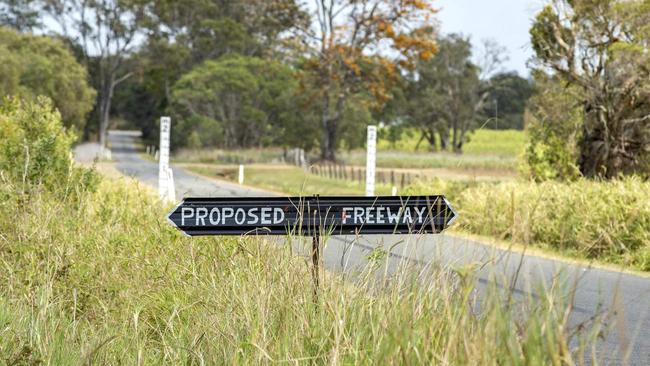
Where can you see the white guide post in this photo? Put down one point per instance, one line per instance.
(163, 162)
(241, 174)
(370, 160)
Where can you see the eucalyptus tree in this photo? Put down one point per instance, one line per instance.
(105, 32)
(599, 49)
(445, 94)
(342, 60)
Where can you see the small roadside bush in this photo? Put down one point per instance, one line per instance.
(35, 149)
(609, 221)
(553, 120)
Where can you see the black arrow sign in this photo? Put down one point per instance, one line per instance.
(312, 215)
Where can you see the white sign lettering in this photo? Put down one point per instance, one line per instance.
(380, 215)
(200, 216)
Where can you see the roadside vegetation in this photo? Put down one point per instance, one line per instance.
(487, 150)
(93, 274)
(606, 221)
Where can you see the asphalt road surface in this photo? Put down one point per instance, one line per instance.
(626, 297)
(130, 163)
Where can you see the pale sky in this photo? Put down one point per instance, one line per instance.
(505, 21)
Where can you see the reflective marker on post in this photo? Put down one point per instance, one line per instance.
(370, 160)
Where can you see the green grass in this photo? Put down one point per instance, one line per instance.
(420, 160)
(496, 142)
(288, 179)
(93, 274)
(606, 221)
(487, 150)
(103, 279)
(504, 143)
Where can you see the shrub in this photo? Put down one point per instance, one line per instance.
(553, 123)
(35, 148)
(33, 65)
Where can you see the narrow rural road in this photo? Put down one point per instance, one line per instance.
(626, 296)
(128, 161)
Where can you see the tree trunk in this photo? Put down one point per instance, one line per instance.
(328, 150)
(593, 147)
(454, 137)
(444, 140)
(105, 110)
(458, 147)
(325, 148)
(431, 139)
(417, 145)
(607, 149)
(330, 127)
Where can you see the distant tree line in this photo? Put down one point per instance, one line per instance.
(257, 73)
(239, 74)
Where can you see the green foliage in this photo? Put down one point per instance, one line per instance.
(506, 101)
(356, 118)
(234, 102)
(18, 14)
(553, 124)
(182, 34)
(442, 95)
(598, 48)
(607, 221)
(134, 290)
(35, 149)
(37, 65)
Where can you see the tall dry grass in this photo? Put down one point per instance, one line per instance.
(608, 221)
(103, 279)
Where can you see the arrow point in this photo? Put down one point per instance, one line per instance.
(453, 219)
(169, 215)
